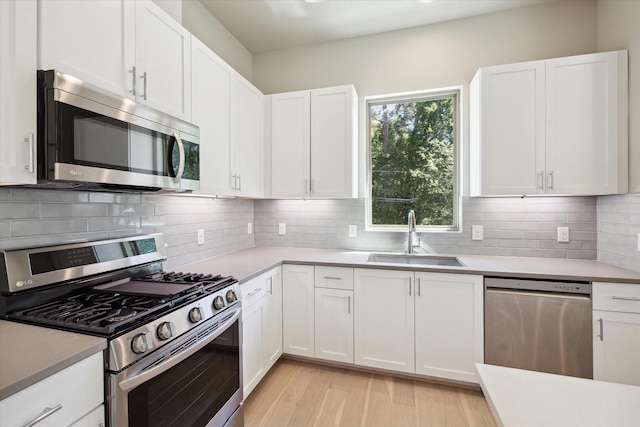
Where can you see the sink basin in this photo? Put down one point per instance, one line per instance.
(415, 259)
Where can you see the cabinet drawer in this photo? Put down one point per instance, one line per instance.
(255, 289)
(77, 390)
(623, 297)
(334, 277)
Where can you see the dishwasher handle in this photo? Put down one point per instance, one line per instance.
(537, 293)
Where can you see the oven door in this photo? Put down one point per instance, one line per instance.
(196, 381)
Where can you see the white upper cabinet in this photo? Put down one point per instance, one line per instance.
(211, 83)
(163, 61)
(247, 139)
(18, 44)
(314, 143)
(557, 126)
(133, 49)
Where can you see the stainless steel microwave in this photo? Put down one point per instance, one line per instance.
(92, 139)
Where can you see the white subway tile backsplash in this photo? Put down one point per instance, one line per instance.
(618, 226)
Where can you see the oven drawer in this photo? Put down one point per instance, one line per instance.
(77, 390)
(623, 297)
(334, 277)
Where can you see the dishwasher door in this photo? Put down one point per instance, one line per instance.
(539, 331)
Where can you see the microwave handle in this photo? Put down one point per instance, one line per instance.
(180, 171)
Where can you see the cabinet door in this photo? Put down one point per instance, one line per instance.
(449, 325)
(508, 130)
(586, 98)
(298, 310)
(253, 367)
(246, 138)
(383, 327)
(91, 40)
(163, 61)
(18, 43)
(290, 144)
(334, 325)
(272, 328)
(333, 142)
(616, 347)
(211, 82)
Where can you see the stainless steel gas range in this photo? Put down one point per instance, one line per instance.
(174, 339)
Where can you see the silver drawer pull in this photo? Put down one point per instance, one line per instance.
(626, 298)
(47, 412)
(601, 335)
(332, 278)
(253, 292)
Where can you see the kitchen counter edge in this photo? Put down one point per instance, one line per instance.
(32, 353)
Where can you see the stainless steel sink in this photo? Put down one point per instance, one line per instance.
(415, 259)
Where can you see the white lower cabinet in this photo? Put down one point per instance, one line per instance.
(384, 321)
(449, 325)
(334, 314)
(94, 418)
(261, 331)
(424, 323)
(298, 310)
(616, 332)
(78, 392)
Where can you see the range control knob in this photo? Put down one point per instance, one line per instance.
(140, 343)
(218, 303)
(231, 296)
(166, 330)
(195, 315)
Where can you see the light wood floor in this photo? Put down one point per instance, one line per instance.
(299, 394)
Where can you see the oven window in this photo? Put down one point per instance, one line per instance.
(193, 391)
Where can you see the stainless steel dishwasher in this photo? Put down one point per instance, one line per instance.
(538, 325)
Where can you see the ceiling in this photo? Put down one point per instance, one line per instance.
(266, 25)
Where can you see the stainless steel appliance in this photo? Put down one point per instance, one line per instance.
(91, 139)
(174, 339)
(538, 325)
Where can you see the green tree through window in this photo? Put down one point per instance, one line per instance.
(413, 145)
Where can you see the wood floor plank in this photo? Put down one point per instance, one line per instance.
(300, 394)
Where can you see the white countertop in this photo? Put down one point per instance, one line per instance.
(250, 262)
(520, 398)
(32, 353)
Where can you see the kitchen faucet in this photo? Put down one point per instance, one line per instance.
(412, 229)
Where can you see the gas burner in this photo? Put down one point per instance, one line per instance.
(120, 314)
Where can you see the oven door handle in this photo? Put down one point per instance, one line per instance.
(134, 382)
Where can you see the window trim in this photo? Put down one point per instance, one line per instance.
(456, 93)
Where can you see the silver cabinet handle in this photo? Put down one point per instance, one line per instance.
(133, 88)
(332, 278)
(601, 335)
(409, 286)
(541, 180)
(144, 85)
(550, 186)
(270, 283)
(419, 287)
(29, 139)
(306, 186)
(626, 298)
(349, 304)
(253, 292)
(178, 176)
(45, 413)
(239, 182)
(235, 183)
(311, 185)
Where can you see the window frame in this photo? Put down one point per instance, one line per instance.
(416, 96)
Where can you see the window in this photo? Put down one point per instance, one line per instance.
(413, 146)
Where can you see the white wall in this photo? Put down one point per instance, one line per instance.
(432, 56)
(619, 28)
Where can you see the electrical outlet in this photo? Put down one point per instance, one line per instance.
(200, 237)
(563, 234)
(353, 231)
(477, 232)
(282, 228)
(249, 228)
